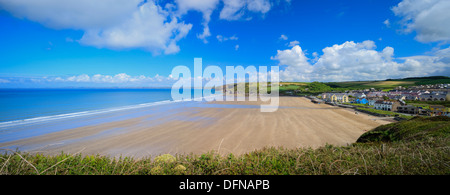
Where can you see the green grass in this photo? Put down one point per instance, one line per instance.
(384, 112)
(358, 105)
(429, 80)
(433, 81)
(428, 103)
(418, 128)
(406, 116)
(390, 113)
(385, 85)
(390, 83)
(416, 146)
(289, 87)
(314, 88)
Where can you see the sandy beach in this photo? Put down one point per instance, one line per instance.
(224, 127)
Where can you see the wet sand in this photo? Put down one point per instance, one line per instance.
(237, 127)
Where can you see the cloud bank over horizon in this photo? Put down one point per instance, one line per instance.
(352, 61)
(87, 81)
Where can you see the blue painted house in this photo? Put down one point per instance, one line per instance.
(362, 101)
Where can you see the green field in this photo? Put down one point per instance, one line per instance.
(416, 146)
(290, 86)
(314, 88)
(391, 83)
(427, 104)
(304, 88)
(358, 105)
(371, 84)
(426, 80)
(384, 112)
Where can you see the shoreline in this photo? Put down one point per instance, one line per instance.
(202, 128)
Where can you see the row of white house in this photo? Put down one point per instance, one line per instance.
(386, 105)
(406, 95)
(434, 97)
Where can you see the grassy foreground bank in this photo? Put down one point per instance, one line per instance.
(415, 146)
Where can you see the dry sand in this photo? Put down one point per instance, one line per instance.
(297, 123)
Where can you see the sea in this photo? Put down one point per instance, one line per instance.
(26, 106)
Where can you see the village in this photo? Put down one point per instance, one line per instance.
(424, 100)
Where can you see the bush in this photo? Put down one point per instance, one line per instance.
(413, 129)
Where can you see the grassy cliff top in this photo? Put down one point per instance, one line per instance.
(417, 128)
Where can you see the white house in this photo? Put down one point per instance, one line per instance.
(432, 97)
(335, 97)
(386, 105)
(341, 97)
(372, 102)
(359, 95)
(411, 96)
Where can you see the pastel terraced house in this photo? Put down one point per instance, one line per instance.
(386, 105)
(438, 110)
(335, 97)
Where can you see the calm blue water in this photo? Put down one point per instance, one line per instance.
(36, 104)
(18, 104)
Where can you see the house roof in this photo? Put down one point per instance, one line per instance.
(385, 102)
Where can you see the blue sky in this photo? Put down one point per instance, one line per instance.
(135, 43)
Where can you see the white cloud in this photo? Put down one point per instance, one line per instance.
(4, 81)
(233, 38)
(297, 64)
(387, 23)
(261, 6)
(410, 65)
(232, 9)
(206, 7)
(430, 19)
(236, 47)
(98, 78)
(84, 80)
(358, 61)
(73, 14)
(436, 63)
(293, 43)
(236, 9)
(79, 78)
(121, 78)
(148, 28)
(283, 37)
(221, 38)
(353, 61)
(68, 39)
(116, 24)
(292, 57)
(152, 25)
